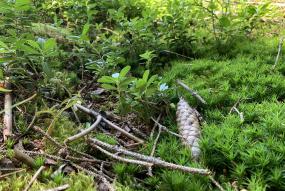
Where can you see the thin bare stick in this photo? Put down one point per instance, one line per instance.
(60, 188)
(239, 113)
(85, 131)
(279, 52)
(152, 160)
(153, 128)
(122, 158)
(177, 54)
(96, 114)
(21, 102)
(7, 120)
(192, 92)
(153, 150)
(104, 180)
(166, 129)
(85, 170)
(11, 173)
(23, 157)
(34, 178)
(57, 144)
(216, 183)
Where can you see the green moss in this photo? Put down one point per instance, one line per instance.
(77, 182)
(249, 151)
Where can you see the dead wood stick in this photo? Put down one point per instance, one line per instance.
(34, 178)
(104, 180)
(153, 128)
(166, 129)
(121, 158)
(21, 102)
(56, 143)
(11, 173)
(153, 150)
(192, 92)
(216, 183)
(23, 157)
(278, 53)
(60, 188)
(152, 160)
(239, 113)
(96, 114)
(7, 120)
(85, 131)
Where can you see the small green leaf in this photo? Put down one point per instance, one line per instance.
(225, 21)
(4, 90)
(127, 81)
(107, 79)
(140, 83)
(3, 45)
(145, 75)
(49, 45)
(108, 87)
(124, 71)
(23, 5)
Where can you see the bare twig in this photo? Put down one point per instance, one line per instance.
(155, 161)
(216, 183)
(60, 188)
(11, 173)
(96, 114)
(192, 92)
(56, 143)
(153, 128)
(23, 157)
(121, 158)
(279, 52)
(239, 113)
(104, 180)
(21, 102)
(85, 131)
(166, 129)
(153, 150)
(7, 130)
(34, 178)
(177, 54)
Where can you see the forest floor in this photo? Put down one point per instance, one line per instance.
(242, 130)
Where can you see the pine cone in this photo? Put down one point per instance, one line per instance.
(189, 128)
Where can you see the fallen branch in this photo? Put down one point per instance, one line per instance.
(121, 158)
(155, 124)
(278, 53)
(166, 129)
(153, 150)
(60, 188)
(21, 102)
(96, 114)
(239, 113)
(34, 178)
(85, 131)
(216, 183)
(192, 92)
(11, 173)
(152, 160)
(104, 180)
(7, 120)
(23, 157)
(57, 144)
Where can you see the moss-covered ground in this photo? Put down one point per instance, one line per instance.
(245, 149)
